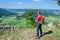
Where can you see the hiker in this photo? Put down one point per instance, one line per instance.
(40, 20)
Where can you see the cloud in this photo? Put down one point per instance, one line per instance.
(37, 0)
(19, 3)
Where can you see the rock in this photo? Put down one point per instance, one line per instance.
(50, 24)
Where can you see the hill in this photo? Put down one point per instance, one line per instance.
(15, 12)
(4, 12)
(45, 12)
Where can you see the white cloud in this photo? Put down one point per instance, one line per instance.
(19, 3)
(37, 0)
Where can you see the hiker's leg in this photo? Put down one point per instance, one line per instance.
(37, 30)
(40, 29)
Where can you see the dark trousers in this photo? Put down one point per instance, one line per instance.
(38, 30)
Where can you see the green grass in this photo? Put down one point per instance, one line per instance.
(30, 31)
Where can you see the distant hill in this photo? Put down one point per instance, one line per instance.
(24, 10)
(12, 12)
(4, 12)
(45, 12)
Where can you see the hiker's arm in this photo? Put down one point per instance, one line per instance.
(36, 19)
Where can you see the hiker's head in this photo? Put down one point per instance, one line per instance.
(38, 13)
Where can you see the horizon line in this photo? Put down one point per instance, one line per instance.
(30, 8)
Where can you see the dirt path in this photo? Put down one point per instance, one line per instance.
(27, 35)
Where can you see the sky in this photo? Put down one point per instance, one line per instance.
(29, 4)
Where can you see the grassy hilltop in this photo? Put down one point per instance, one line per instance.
(27, 26)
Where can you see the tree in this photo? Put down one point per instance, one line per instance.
(29, 16)
(58, 2)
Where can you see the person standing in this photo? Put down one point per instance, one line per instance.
(40, 20)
